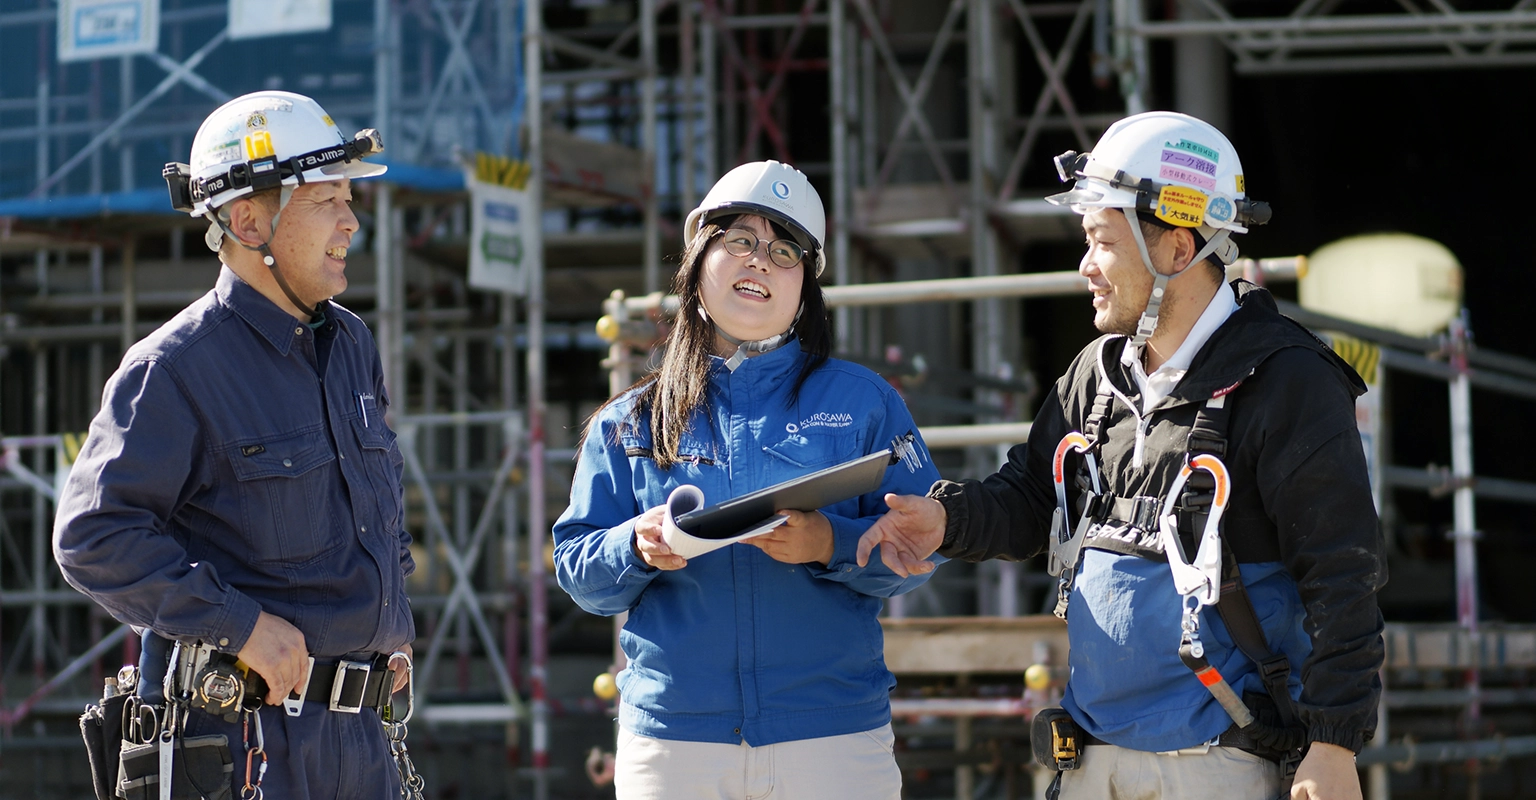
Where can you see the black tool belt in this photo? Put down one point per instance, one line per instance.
(348, 684)
(1231, 737)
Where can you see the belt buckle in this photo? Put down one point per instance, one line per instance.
(343, 669)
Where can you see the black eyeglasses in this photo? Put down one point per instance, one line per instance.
(783, 253)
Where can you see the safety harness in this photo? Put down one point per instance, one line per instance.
(1192, 507)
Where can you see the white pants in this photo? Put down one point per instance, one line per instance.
(1223, 773)
(854, 765)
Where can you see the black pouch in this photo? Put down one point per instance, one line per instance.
(203, 770)
(1056, 739)
(101, 726)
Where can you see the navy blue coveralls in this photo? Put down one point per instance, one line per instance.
(240, 463)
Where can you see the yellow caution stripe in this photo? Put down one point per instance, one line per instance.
(1364, 356)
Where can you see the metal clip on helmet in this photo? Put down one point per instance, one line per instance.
(1180, 170)
(769, 189)
(261, 141)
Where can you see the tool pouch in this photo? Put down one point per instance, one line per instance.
(203, 770)
(1056, 739)
(101, 726)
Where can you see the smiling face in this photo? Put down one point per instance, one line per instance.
(1116, 275)
(312, 239)
(748, 296)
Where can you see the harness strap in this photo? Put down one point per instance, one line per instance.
(1242, 621)
(1103, 402)
(1208, 434)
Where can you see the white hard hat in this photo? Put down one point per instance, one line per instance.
(1178, 168)
(772, 190)
(264, 140)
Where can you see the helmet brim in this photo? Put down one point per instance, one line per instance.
(355, 169)
(802, 237)
(1093, 194)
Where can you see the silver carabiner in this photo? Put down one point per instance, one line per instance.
(1066, 539)
(1201, 577)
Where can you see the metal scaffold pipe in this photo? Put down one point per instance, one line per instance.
(538, 604)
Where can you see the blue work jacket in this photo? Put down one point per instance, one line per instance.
(737, 646)
(228, 473)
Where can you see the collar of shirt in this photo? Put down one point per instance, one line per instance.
(764, 366)
(277, 326)
(1161, 382)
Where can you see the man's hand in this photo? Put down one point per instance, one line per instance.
(397, 664)
(907, 534)
(277, 652)
(648, 543)
(1327, 773)
(805, 538)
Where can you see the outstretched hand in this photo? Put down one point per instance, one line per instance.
(907, 534)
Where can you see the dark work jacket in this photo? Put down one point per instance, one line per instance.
(233, 470)
(1300, 519)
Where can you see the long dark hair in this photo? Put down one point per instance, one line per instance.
(676, 389)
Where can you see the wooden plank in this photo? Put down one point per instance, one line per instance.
(1447, 646)
(970, 645)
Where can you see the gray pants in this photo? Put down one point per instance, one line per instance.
(1221, 773)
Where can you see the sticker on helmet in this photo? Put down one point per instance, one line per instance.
(1194, 147)
(1220, 209)
(275, 104)
(1240, 183)
(258, 145)
(328, 121)
(224, 153)
(256, 120)
(1186, 176)
(781, 190)
(1194, 162)
(1181, 206)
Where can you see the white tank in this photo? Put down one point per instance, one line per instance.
(1395, 281)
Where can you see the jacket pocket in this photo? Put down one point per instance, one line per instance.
(801, 453)
(284, 483)
(382, 461)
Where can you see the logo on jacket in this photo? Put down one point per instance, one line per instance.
(821, 419)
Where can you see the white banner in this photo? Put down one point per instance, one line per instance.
(90, 29)
(505, 237)
(249, 19)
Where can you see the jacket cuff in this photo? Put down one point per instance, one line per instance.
(619, 550)
(1352, 740)
(951, 495)
(845, 544)
(232, 631)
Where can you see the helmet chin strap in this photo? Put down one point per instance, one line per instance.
(266, 253)
(1147, 324)
(756, 346)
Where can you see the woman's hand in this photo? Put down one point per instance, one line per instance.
(804, 539)
(648, 543)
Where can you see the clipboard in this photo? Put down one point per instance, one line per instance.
(806, 493)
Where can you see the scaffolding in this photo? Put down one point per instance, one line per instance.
(931, 151)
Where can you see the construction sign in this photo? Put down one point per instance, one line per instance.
(249, 19)
(505, 227)
(90, 29)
